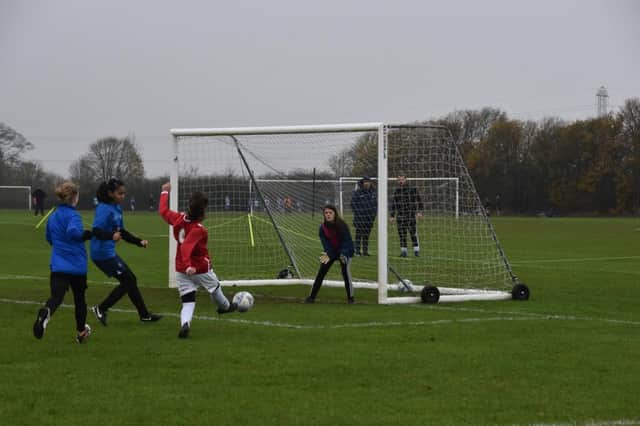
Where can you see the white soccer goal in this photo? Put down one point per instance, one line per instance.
(15, 197)
(267, 186)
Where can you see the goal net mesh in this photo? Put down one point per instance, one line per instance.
(15, 197)
(266, 193)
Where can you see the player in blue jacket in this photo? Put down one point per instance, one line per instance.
(108, 229)
(338, 245)
(68, 262)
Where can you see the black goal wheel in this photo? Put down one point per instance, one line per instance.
(430, 294)
(520, 292)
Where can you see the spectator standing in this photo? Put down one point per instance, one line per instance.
(364, 205)
(405, 209)
(38, 201)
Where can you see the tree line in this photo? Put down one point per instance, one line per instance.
(583, 167)
(548, 166)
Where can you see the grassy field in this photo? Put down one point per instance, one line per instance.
(567, 356)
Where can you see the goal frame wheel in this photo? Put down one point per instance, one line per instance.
(520, 292)
(430, 294)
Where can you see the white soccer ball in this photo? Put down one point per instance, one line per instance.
(244, 300)
(403, 289)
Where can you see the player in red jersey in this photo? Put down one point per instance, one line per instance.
(193, 263)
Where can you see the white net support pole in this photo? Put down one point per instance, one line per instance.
(173, 204)
(382, 215)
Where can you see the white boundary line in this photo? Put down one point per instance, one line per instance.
(512, 317)
(33, 277)
(508, 316)
(583, 268)
(621, 422)
(534, 315)
(575, 259)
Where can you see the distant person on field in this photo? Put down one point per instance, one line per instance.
(152, 202)
(38, 201)
(227, 203)
(288, 204)
(487, 206)
(364, 205)
(498, 204)
(132, 204)
(68, 262)
(108, 229)
(193, 263)
(337, 244)
(406, 206)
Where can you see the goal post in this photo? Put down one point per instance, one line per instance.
(15, 196)
(266, 187)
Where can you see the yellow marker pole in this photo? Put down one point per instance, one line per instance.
(253, 243)
(46, 216)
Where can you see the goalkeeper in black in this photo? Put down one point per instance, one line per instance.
(406, 206)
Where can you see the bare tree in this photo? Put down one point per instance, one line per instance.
(12, 146)
(107, 158)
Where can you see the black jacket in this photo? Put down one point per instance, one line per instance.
(406, 202)
(364, 204)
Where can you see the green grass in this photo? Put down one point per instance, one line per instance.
(567, 356)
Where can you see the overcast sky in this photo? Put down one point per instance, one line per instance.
(74, 71)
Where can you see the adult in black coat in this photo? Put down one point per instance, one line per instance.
(38, 201)
(364, 205)
(406, 206)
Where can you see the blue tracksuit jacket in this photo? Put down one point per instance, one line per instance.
(64, 233)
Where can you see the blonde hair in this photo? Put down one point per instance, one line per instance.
(66, 191)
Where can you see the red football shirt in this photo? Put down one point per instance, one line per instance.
(191, 236)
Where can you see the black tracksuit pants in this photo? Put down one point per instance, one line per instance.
(60, 283)
(322, 272)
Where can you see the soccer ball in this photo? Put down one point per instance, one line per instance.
(403, 289)
(244, 300)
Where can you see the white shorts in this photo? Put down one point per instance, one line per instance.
(190, 283)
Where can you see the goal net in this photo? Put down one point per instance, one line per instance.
(267, 186)
(15, 197)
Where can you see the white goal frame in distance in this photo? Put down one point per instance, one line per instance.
(28, 188)
(382, 219)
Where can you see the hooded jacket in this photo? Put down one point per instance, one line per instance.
(364, 203)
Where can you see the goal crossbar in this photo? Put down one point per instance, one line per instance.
(274, 130)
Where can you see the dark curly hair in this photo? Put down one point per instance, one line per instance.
(103, 190)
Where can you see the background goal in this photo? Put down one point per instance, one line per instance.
(267, 186)
(15, 197)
